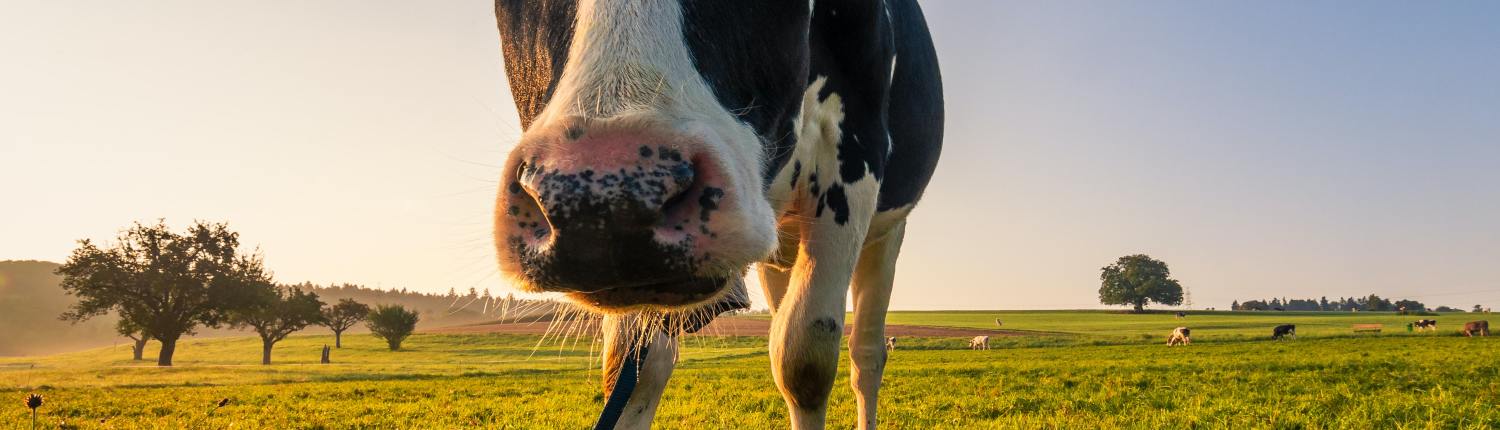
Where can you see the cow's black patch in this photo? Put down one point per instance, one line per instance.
(809, 383)
(852, 159)
(825, 325)
(838, 202)
(645, 151)
(796, 172)
(709, 202)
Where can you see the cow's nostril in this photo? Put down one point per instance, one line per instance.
(679, 180)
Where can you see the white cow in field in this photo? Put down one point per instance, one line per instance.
(890, 343)
(979, 342)
(1180, 336)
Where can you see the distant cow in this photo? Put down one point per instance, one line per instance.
(1182, 314)
(1481, 327)
(1425, 325)
(1283, 331)
(979, 342)
(890, 343)
(1180, 336)
(997, 322)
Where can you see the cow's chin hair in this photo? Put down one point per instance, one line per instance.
(682, 312)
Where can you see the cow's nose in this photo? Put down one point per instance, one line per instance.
(598, 202)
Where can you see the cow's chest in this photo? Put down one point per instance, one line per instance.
(816, 182)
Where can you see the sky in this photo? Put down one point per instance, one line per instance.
(1262, 149)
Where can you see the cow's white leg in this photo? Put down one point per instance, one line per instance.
(809, 321)
(872, 297)
(619, 333)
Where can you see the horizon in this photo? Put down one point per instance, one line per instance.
(1259, 149)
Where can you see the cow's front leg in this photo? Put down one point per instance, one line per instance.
(620, 333)
(808, 323)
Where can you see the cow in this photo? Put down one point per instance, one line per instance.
(998, 323)
(1482, 327)
(669, 146)
(1425, 325)
(1181, 314)
(890, 343)
(1284, 330)
(979, 342)
(1180, 336)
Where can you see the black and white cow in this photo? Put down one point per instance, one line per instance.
(670, 145)
(1284, 330)
(1425, 325)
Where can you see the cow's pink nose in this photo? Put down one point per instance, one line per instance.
(615, 211)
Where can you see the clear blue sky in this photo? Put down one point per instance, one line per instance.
(1274, 148)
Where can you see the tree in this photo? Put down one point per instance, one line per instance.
(1323, 304)
(1410, 305)
(1478, 308)
(1136, 280)
(165, 283)
(128, 329)
(392, 323)
(1234, 306)
(276, 312)
(341, 316)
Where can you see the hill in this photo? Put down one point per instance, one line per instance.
(30, 302)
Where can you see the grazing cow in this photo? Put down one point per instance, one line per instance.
(1426, 325)
(669, 145)
(1284, 330)
(979, 342)
(1182, 314)
(998, 323)
(890, 343)
(1481, 327)
(1180, 336)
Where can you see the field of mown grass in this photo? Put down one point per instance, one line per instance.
(1326, 379)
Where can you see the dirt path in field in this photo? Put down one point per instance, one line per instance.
(735, 326)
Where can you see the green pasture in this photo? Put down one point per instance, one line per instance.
(1325, 379)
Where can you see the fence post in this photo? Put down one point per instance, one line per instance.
(325, 354)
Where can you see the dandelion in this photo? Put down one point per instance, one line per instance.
(33, 401)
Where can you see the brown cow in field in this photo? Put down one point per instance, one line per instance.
(1481, 327)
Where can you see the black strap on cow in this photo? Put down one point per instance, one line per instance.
(630, 373)
(630, 369)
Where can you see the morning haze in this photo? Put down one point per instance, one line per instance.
(1262, 149)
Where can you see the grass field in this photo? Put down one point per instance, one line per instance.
(1082, 370)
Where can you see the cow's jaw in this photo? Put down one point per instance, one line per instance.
(634, 187)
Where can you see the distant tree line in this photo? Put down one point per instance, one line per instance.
(164, 285)
(1371, 303)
